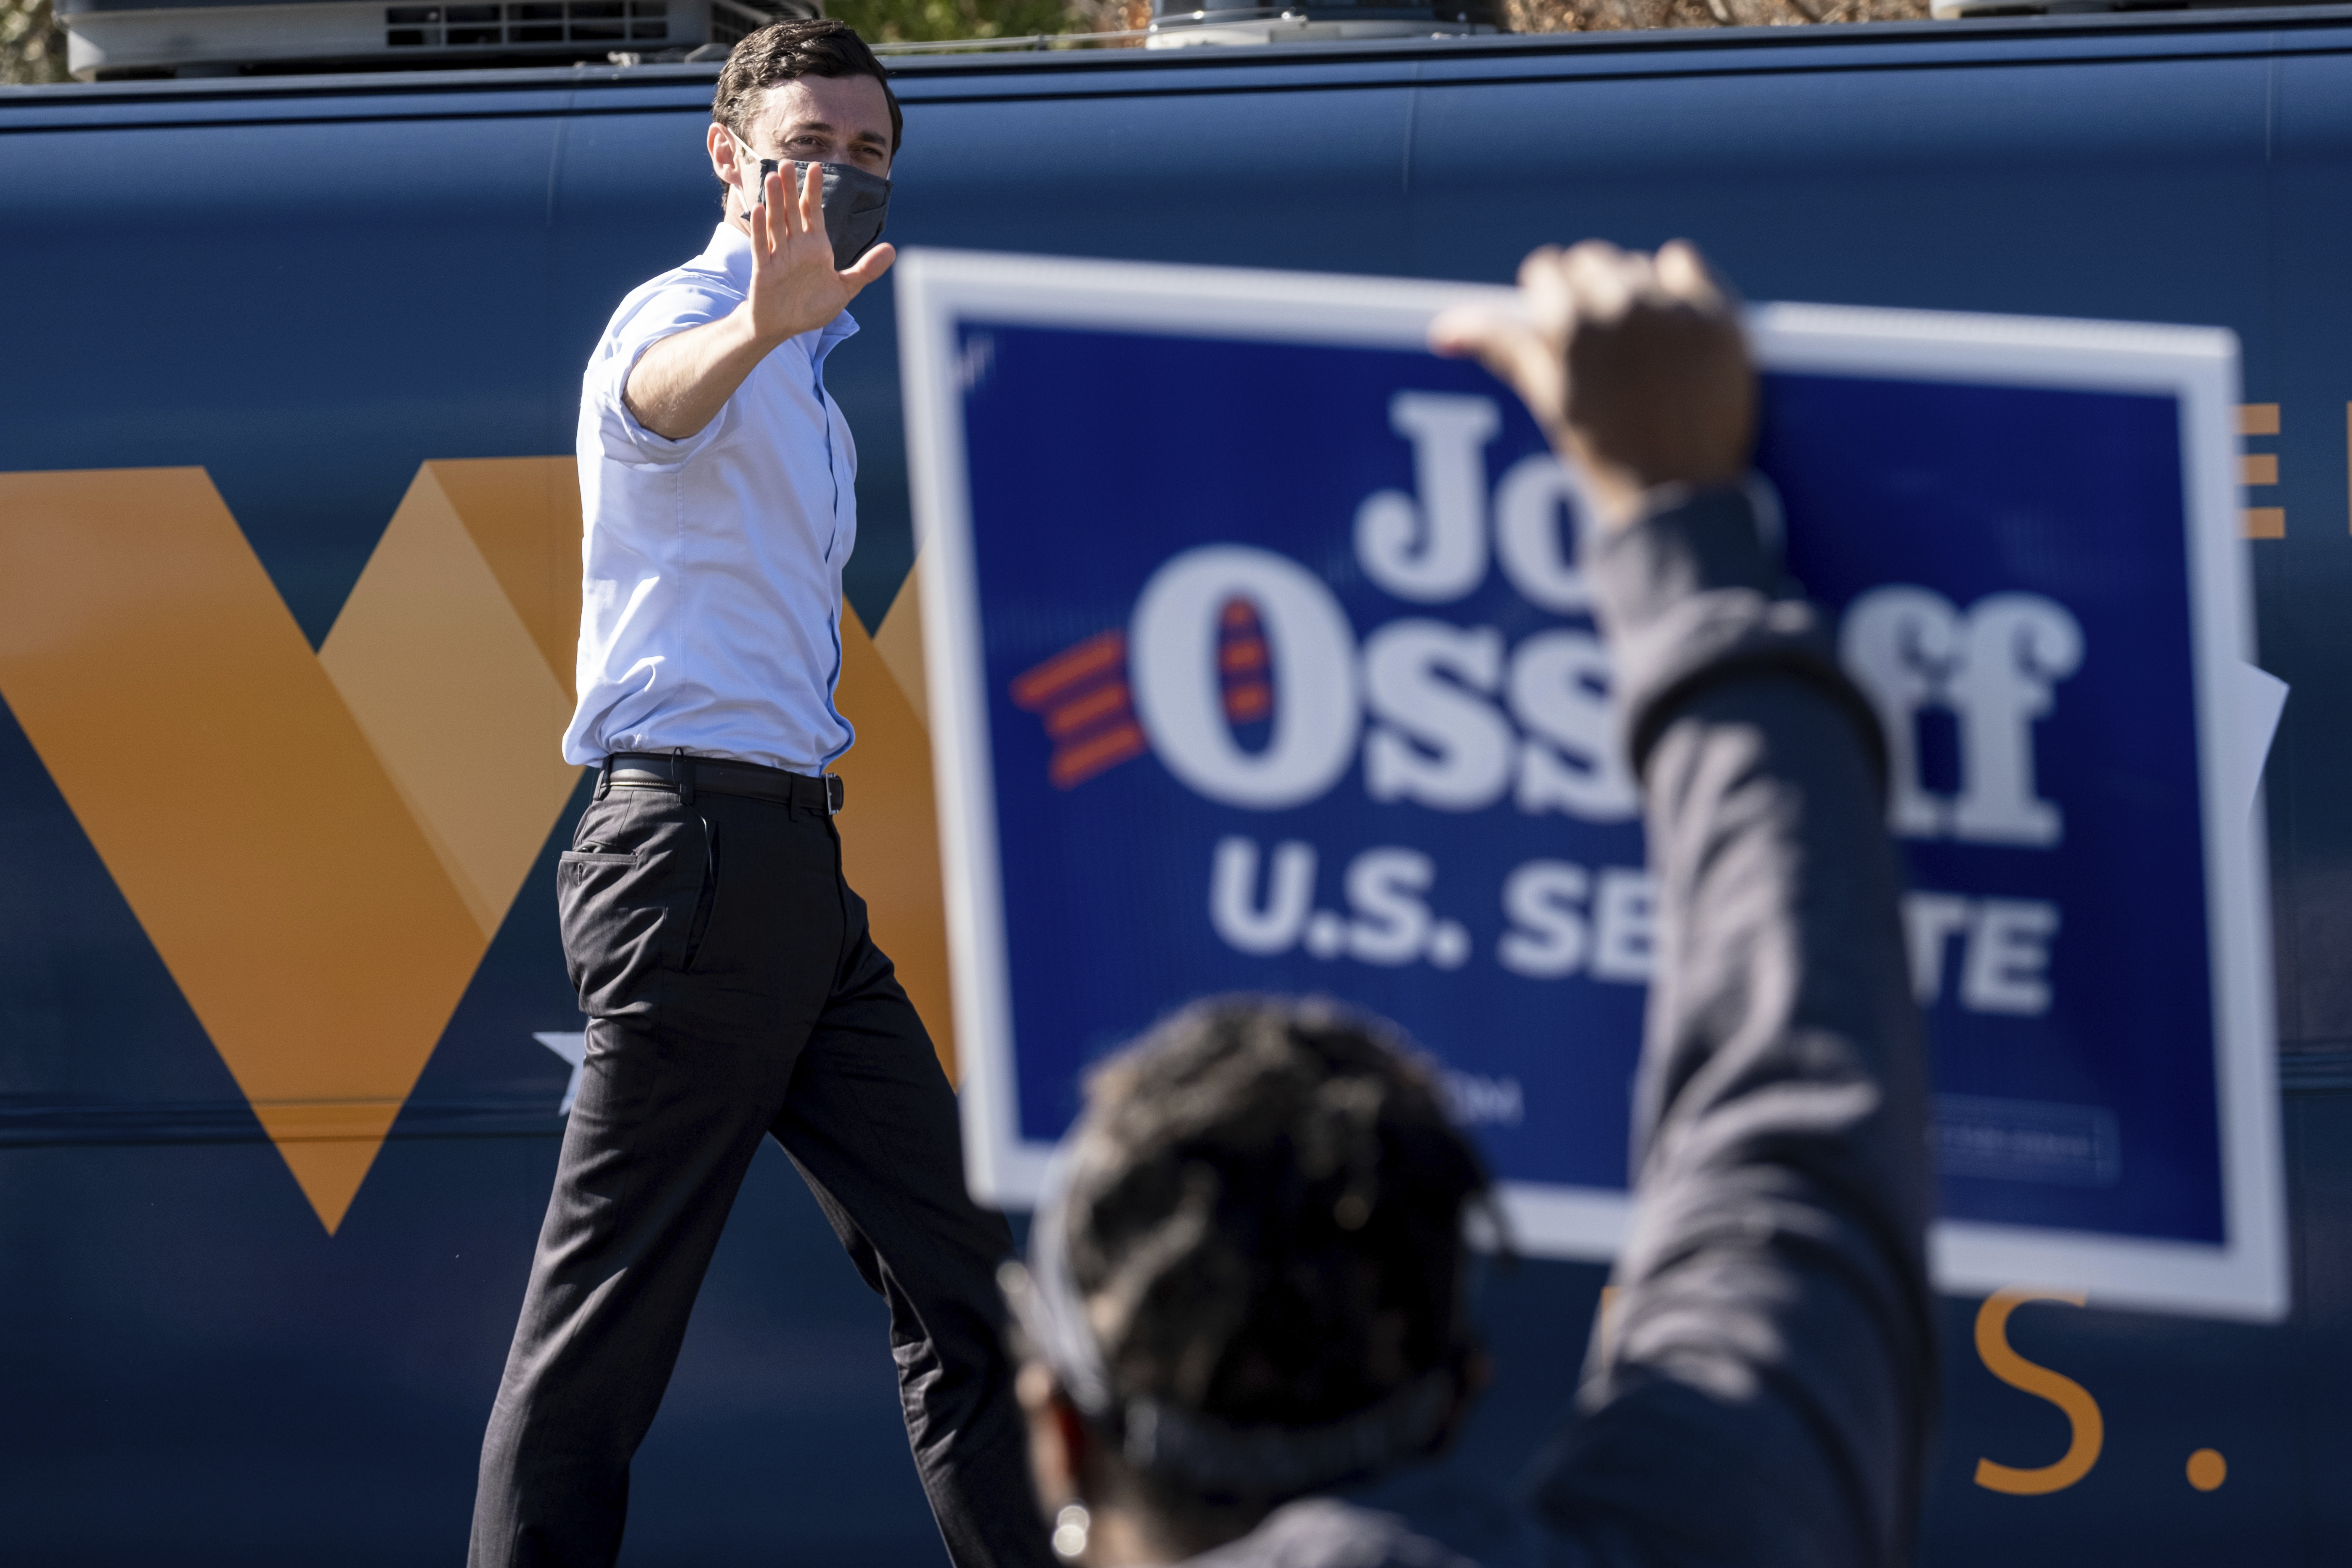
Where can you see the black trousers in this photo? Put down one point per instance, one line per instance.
(734, 992)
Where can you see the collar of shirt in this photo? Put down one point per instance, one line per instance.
(730, 255)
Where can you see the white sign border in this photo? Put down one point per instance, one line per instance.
(2246, 1277)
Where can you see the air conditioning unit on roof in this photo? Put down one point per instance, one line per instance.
(110, 39)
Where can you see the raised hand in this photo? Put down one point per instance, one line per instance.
(682, 382)
(795, 284)
(1633, 365)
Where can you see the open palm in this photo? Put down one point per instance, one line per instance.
(795, 285)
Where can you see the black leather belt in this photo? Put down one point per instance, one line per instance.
(686, 774)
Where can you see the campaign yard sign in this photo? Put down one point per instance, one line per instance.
(1259, 660)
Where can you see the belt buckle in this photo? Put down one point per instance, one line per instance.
(833, 794)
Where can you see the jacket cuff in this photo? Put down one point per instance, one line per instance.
(1692, 595)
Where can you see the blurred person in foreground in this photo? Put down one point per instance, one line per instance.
(1245, 1287)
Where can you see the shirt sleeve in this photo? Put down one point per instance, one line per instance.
(676, 308)
(1762, 1389)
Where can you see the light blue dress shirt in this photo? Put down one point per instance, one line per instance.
(710, 604)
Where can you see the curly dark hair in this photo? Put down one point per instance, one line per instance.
(1264, 1214)
(787, 51)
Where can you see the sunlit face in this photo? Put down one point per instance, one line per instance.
(816, 120)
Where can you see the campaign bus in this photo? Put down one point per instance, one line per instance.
(288, 510)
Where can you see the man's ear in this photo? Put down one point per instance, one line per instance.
(727, 162)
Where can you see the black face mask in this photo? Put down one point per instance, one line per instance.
(856, 205)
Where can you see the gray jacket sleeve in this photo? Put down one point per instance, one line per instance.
(1762, 1385)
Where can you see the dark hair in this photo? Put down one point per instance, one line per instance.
(787, 51)
(1264, 1214)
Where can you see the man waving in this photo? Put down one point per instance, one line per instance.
(732, 987)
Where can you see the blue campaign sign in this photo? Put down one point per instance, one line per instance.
(1259, 660)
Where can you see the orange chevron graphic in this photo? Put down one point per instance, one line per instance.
(889, 826)
(322, 846)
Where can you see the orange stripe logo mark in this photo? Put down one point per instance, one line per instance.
(1112, 698)
(1244, 664)
(2260, 470)
(1090, 713)
(320, 846)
